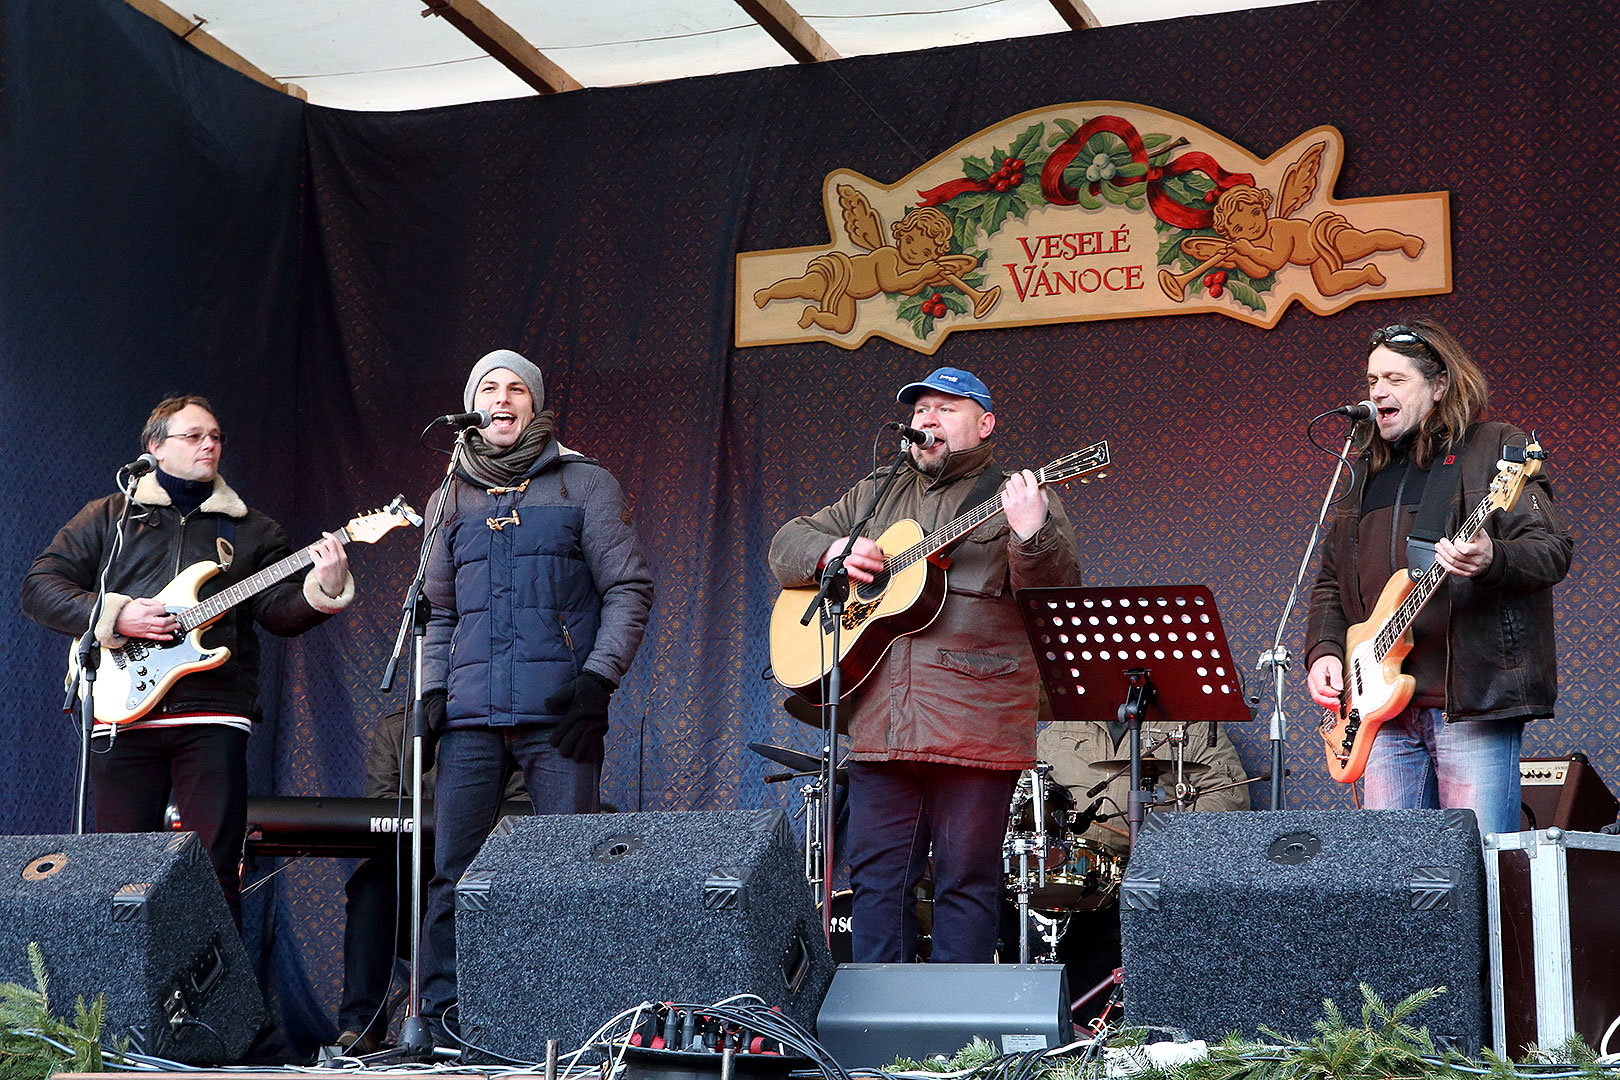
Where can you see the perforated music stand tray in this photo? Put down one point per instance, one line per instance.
(1086, 639)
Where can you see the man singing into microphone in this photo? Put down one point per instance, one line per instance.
(1482, 651)
(194, 740)
(941, 727)
(540, 597)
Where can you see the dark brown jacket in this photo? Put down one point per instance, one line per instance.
(964, 690)
(1501, 663)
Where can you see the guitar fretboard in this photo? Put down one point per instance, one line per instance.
(212, 608)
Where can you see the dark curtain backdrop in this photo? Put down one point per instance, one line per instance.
(328, 278)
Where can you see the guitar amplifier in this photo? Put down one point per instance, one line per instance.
(1564, 793)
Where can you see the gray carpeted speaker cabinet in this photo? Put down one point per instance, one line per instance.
(563, 921)
(1237, 920)
(139, 918)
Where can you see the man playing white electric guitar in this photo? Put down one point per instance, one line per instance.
(194, 737)
(1443, 673)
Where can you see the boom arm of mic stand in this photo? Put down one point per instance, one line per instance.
(1277, 657)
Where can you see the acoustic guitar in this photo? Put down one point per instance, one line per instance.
(903, 598)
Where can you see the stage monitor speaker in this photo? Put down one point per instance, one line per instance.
(1564, 793)
(564, 921)
(875, 1013)
(1236, 920)
(137, 917)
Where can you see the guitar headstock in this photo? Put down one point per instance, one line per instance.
(1519, 465)
(1081, 463)
(369, 528)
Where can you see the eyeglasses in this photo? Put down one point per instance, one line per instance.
(1401, 334)
(197, 438)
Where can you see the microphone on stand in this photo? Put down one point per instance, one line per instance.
(1084, 819)
(478, 418)
(140, 466)
(1361, 410)
(923, 439)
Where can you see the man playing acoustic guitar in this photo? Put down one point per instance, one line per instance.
(941, 726)
(194, 738)
(1482, 658)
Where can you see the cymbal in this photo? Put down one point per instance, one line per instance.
(1152, 766)
(796, 760)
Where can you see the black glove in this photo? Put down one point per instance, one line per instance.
(583, 702)
(434, 715)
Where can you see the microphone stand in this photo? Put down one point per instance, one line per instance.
(833, 592)
(1277, 657)
(88, 656)
(414, 1038)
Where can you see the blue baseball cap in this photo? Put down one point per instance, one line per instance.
(948, 380)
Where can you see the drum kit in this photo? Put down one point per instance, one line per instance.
(1053, 869)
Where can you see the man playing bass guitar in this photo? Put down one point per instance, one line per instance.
(941, 726)
(1481, 657)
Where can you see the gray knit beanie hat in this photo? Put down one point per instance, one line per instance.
(506, 358)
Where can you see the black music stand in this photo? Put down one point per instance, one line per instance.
(1117, 653)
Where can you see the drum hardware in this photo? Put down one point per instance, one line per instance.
(1032, 791)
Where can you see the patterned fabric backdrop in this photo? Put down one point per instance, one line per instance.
(329, 277)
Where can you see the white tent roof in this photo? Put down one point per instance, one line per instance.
(396, 54)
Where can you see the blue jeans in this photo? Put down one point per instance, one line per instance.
(474, 765)
(1420, 762)
(898, 811)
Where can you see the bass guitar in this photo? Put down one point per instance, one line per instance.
(1374, 687)
(132, 677)
(904, 597)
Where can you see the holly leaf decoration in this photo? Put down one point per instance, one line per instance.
(1237, 286)
(977, 168)
(1028, 143)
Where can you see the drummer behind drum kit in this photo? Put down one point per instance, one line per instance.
(1053, 870)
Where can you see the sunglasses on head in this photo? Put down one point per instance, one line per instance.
(1401, 334)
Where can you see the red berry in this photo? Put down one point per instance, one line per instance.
(1000, 183)
(1209, 281)
(1215, 292)
(1210, 197)
(1017, 178)
(1220, 277)
(1017, 164)
(936, 298)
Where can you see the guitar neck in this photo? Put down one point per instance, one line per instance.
(1424, 589)
(208, 610)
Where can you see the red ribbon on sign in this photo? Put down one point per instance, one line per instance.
(950, 190)
(1163, 206)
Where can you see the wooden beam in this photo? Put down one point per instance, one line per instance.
(191, 32)
(495, 36)
(790, 30)
(1077, 14)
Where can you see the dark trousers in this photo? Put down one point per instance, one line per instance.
(204, 765)
(899, 811)
(377, 929)
(474, 764)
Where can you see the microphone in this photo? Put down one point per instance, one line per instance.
(1361, 410)
(1083, 820)
(478, 418)
(140, 466)
(924, 439)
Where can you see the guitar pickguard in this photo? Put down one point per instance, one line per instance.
(857, 613)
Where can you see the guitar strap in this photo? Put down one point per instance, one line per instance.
(988, 483)
(224, 547)
(1445, 480)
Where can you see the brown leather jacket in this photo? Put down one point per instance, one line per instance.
(964, 690)
(1501, 663)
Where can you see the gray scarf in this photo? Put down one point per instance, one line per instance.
(495, 466)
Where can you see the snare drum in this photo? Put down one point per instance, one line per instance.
(1087, 881)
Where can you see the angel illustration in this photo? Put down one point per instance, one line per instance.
(918, 259)
(1260, 245)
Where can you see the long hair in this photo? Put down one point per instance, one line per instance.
(1437, 354)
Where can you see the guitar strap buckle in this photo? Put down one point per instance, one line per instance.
(1419, 556)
